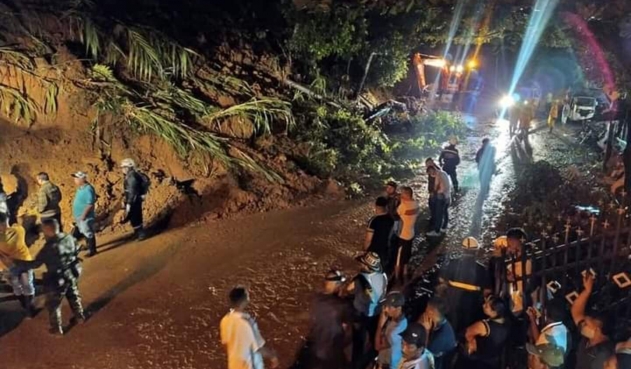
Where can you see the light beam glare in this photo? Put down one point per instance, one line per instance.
(539, 17)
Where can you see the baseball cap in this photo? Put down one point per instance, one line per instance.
(394, 299)
(551, 355)
(414, 335)
(370, 260)
(79, 175)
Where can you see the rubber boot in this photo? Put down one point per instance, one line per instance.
(139, 233)
(55, 323)
(91, 245)
(22, 300)
(29, 306)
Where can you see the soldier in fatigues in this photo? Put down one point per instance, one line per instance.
(466, 283)
(48, 199)
(63, 268)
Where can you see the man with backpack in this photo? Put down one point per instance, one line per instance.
(48, 198)
(136, 186)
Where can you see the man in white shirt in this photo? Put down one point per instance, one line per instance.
(442, 189)
(551, 342)
(408, 212)
(241, 336)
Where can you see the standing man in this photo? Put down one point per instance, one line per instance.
(331, 318)
(135, 192)
(595, 347)
(467, 281)
(4, 206)
(379, 232)
(449, 159)
(431, 200)
(441, 337)
(13, 249)
(63, 268)
(392, 323)
(415, 355)
(408, 211)
(394, 199)
(83, 210)
(368, 287)
(551, 342)
(241, 336)
(48, 198)
(485, 157)
(442, 188)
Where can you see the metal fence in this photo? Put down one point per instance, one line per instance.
(597, 240)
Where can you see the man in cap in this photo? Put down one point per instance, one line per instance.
(415, 355)
(48, 198)
(368, 287)
(391, 324)
(241, 337)
(550, 346)
(449, 159)
(13, 249)
(467, 281)
(83, 210)
(331, 316)
(60, 255)
(135, 192)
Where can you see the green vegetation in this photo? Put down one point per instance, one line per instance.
(340, 144)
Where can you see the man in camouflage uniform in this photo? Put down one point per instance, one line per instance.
(48, 198)
(59, 254)
(134, 197)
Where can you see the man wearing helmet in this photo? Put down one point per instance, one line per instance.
(467, 281)
(134, 196)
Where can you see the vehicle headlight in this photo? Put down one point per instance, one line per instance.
(507, 101)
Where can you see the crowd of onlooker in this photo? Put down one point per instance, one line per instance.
(479, 316)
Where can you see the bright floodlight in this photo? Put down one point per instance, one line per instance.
(507, 101)
(459, 69)
(452, 68)
(472, 64)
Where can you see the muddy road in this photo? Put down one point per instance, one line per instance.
(158, 303)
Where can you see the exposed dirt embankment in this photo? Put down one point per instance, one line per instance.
(180, 192)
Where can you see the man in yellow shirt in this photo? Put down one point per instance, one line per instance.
(12, 248)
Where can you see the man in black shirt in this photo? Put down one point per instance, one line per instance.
(379, 232)
(393, 198)
(450, 159)
(331, 317)
(442, 339)
(595, 347)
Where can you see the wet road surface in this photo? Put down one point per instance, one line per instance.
(157, 303)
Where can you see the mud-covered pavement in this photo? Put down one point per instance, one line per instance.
(157, 304)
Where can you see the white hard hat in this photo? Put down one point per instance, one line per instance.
(470, 243)
(453, 140)
(128, 163)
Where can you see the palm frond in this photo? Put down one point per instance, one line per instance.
(16, 105)
(50, 99)
(142, 59)
(90, 38)
(177, 97)
(262, 112)
(13, 56)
